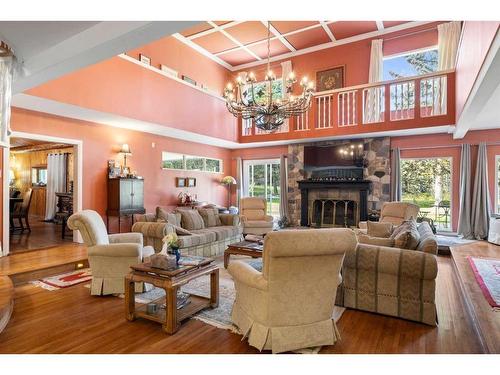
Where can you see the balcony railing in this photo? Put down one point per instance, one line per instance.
(419, 101)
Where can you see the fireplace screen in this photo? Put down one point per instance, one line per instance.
(334, 213)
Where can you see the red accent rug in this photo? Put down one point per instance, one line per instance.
(65, 280)
(487, 273)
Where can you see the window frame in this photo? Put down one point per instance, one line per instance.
(497, 189)
(184, 163)
(450, 158)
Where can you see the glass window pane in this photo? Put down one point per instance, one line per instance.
(213, 165)
(173, 161)
(412, 64)
(194, 163)
(427, 183)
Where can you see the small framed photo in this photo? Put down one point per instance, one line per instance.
(189, 80)
(330, 79)
(180, 182)
(171, 72)
(191, 182)
(144, 59)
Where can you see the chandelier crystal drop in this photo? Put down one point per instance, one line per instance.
(268, 112)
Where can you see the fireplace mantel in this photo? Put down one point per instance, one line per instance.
(362, 186)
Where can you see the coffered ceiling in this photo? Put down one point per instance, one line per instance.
(240, 44)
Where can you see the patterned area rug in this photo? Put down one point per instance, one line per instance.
(65, 280)
(487, 273)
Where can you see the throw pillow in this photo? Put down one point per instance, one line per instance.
(379, 229)
(406, 235)
(377, 241)
(173, 218)
(210, 217)
(179, 230)
(191, 220)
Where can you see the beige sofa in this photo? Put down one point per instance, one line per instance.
(254, 216)
(395, 213)
(208, 241)
(289, 304)
(393, 281)
(110, 256)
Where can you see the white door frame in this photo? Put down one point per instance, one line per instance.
(77, 173)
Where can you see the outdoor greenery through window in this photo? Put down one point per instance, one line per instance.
(172, 160)
(411, 64)
(427, 183)
(261, 178)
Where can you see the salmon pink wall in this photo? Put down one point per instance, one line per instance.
(100, 144)
(477, 37)
(186, 61)
(123, 88)
(443, 145)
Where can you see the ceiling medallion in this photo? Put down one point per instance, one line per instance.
(257, 101)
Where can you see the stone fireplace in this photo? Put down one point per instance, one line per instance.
(376, 171)
(333, 203)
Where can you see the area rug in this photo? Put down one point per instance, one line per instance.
(487, 273)
(65, 280)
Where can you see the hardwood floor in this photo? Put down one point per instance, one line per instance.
(71, 321)
(42, 235)
(487, 320)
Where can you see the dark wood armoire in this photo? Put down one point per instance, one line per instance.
(125, 198)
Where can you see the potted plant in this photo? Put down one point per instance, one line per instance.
(171, 246)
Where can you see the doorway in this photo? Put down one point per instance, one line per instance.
(42, 187)
(261, 178)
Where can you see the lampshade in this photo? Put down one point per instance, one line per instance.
(228, 180)
(125, 149)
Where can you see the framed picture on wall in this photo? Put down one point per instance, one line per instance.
(189, 80)
(144, 59)
(330, 79)
(191, 182)
(180, 182)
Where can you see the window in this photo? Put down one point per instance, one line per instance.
(39, 175)
(261, 178)
(410, 64)
(427, 183)
(172, 160)
(260, 90)
(497, 184)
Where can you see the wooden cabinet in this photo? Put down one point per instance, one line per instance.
(125, 197)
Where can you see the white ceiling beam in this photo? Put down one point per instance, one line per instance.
(201, 50)
(328, 32)
(214, 29)
(97, 43)
(235, 41)
(278, 35)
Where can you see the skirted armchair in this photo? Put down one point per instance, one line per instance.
(110, 256)
(254, 217)
(395, 213)
(289, 305)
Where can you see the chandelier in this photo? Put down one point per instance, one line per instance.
(266, 109)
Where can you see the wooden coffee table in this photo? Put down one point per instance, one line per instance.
(248, 248)
(170, 281)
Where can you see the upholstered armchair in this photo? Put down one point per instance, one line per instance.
(289, 305)
(110, 256)
(395, 213)
(254, 217)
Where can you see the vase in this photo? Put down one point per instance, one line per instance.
(177, 253)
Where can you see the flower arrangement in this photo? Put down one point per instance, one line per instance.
(171, 240)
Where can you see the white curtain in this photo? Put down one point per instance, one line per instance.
(464, 215)
(448, 39)
(375, 74)
(56, 182)
(284, 188)
(239, 181)
(286, 69)
(6, 76)
(396, 175)
(481, 196)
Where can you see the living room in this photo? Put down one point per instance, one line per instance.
(276, 186)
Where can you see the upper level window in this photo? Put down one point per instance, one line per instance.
(497, 184)
(411, 64)
(261, 88)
